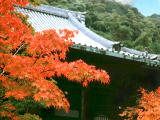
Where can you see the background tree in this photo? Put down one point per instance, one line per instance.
(29, 61)
(118, 22)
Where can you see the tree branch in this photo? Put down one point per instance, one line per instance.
(15, 54)
(2, 72)
(19, 49)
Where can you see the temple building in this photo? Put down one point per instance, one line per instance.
(129, 69)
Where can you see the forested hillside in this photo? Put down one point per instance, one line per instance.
(118, 22)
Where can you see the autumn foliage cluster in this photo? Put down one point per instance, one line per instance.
(29, 61)
(148, 107)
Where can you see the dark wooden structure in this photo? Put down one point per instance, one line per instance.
(102, 102)
(129, 69)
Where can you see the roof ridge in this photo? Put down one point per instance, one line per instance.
(53, 10)
(97, 38)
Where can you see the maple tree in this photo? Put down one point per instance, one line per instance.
(29, 61)
(148, 107)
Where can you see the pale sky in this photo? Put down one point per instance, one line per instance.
(125, 1)
(146, 7)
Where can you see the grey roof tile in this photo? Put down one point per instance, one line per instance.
(42, 21)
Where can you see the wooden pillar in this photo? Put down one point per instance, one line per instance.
(85, 111)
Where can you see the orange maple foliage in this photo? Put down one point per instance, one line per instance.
(30, 75)
(148, 107)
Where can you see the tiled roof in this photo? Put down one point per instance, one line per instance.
(43, 17)
(46, 17)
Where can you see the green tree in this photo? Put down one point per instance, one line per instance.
(118, 22)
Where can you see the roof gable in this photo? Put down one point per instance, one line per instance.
(46, 17)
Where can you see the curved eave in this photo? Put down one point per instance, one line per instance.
(141, 59)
